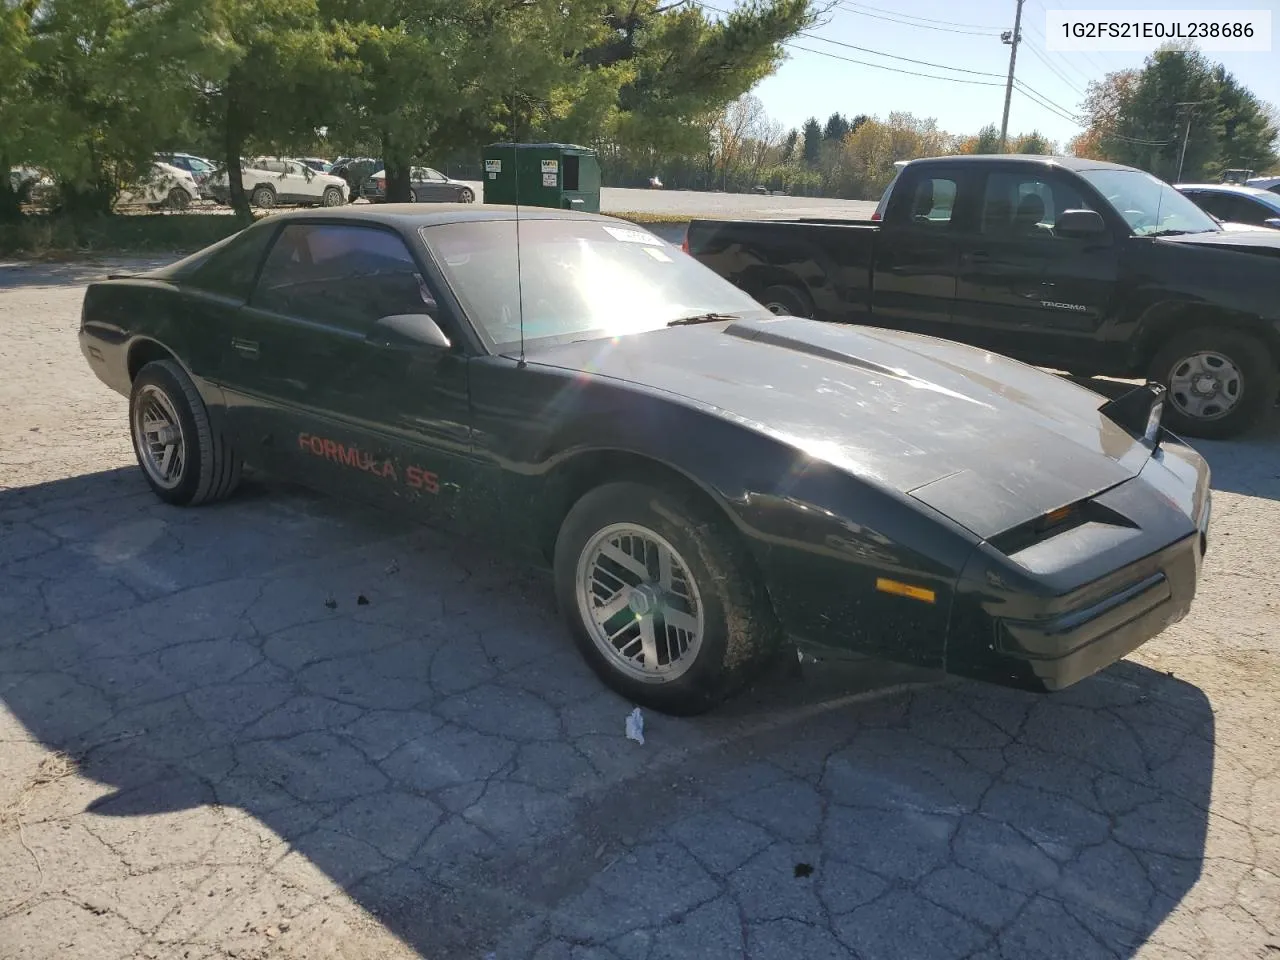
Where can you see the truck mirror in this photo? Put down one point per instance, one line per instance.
(1080, 223)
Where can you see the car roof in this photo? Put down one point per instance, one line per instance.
(1226, 188)
(1066, 163)
(412, 215)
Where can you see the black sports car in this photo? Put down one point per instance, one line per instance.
(708, 481)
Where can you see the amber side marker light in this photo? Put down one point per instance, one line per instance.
(900, 589)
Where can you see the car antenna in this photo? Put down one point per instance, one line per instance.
(515, 171)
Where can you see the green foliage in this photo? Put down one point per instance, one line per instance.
(812, 142)
(1141, 118)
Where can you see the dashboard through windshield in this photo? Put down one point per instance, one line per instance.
(1151, 207)
(578, 279)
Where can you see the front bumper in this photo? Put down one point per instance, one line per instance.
(1063, 649)
(1073, 604)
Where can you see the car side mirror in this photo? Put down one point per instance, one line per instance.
(1083, 224)
(409, 330)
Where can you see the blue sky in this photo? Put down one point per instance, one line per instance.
(811, 84)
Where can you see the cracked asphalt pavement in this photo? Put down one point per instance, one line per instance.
(286, 726)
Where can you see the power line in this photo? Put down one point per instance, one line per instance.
(1088, 56)
(1058, 73)
(922, 26)
(847, 4)
(923, 63)
(1057, 106)
(880, 66)
(877, 66)
(1046, 105)
(1064, 61)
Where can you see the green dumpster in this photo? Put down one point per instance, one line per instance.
(560, 175)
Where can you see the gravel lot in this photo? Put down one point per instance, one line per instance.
(287, 727)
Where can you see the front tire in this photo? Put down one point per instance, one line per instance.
(178, 200)
(263, 197)
(661, 598)
(467, 195)
(1221, 382)
(185, 459)
(332, 197)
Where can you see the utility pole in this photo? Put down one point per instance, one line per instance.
(1013, 39)
(1186, 132)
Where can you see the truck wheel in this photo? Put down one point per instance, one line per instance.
(263, 197)
(184, 458)
(787, 301)
(1221, 382)
(661, 600)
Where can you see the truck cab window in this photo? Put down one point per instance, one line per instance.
(933, 201)
(1021, 205)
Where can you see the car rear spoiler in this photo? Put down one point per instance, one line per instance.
(1139, 412)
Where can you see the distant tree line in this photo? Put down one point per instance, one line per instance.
(851, 157)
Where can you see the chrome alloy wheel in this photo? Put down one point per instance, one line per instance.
(639, 603)
(1205, 385)
(157, 432)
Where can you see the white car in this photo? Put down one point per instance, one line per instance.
(164, 186)
(270, 181)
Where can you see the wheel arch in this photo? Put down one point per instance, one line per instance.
(1163, 321)
(144, 350)
(582, 472)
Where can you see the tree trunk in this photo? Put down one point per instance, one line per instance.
(233, 144)
(398, 172)
(10, 201)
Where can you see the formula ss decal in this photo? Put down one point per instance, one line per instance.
(415, 477)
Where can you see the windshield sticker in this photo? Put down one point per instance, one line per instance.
(633, 236)
(660, 255)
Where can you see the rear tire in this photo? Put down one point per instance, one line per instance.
(786, 300)
(178, 200)
(263, 197)
(1221, 382)
(205, 467)
(706, 580)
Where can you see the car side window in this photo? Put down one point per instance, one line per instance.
(932, 202)
(230, 270)
(434, 174)
(1026, 205)
(347, 276)
(1248, 210)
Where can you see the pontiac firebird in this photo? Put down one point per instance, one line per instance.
(710, 484)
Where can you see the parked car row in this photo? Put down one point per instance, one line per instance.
(176, 180)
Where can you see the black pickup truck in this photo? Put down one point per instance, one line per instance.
(1086, 267)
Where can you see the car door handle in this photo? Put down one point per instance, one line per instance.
(246, 348)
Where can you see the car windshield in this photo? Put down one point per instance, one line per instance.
(1266, 198)
(580, 279)
(1151, 207)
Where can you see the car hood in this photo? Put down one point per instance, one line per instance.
(987, 441)
(1256, 240)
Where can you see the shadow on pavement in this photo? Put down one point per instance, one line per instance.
(440, 753)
